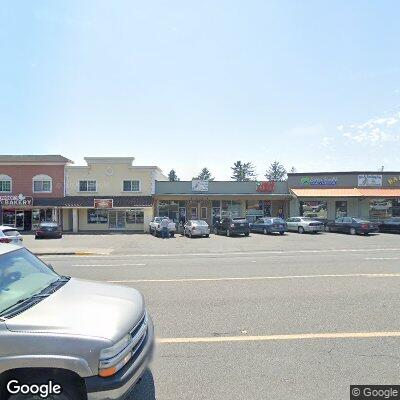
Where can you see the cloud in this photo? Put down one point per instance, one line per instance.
(373, 132)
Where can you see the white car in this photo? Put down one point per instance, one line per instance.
(9, 234)
(196, 227)
(155, 227)
(304, 224)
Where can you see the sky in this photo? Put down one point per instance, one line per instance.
(193, 84)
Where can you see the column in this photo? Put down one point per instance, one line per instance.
(74, 220)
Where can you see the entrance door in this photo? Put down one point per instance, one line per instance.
(27, 220)
(19, 219)
(116, 219)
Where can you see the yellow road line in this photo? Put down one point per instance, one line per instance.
(302, 336)
(258, 278)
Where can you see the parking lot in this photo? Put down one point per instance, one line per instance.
(294, 316)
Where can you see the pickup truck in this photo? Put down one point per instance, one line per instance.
(155, 227)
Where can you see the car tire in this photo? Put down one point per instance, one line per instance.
(265, 232)
(172, 234)
(352, 231)
(207, 236)
(282, 233)
(246, 234)
(300, 229)
(228, 233)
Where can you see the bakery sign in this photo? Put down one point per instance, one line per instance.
(103, 203)
(393, 180)
(16, 200)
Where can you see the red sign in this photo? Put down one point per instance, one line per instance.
(103, 203)
(16, 200)
(266, 187)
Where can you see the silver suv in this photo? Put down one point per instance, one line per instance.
(92, 340)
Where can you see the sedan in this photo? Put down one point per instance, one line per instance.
(304, 224)
(10, 235)
(269, 225)
(232, 226)
(352, 225)
(391, 225)
(48, 230)
(195, 227)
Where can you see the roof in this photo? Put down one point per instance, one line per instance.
(349, 192)
(88, 201)
(363, 172)
(39, 158)
(7, 248)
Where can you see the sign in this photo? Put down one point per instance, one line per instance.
(318, 181)
(254, 213)
(265, 186)
(199, 185)
(16, 200)
(370, 180)
(103, 203)
(393, 180)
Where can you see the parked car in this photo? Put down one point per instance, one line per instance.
(232, 226)
(304, 224)
(269, 225)
(10, 235)
(48, 230)
(351, 225)
(195, 227)
(391, 225)
(50, 329)
(155, 227)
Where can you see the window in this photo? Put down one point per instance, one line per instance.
(203, 213)
(96, 216)
(87, 186)
(5, 184)
(341, 209)
(314, 209)
(42, 184)
(193, 213)
(134, 217)
(131, 186)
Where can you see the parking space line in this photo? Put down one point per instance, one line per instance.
(106, 265)
(265, 338)
(382, 258)
(259, 278)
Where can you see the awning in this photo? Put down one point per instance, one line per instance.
(347, 192)
(332, 192)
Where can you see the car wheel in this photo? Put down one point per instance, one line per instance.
(281, 233)
(172, 234)
(353, 231)
(300, 230)
(265, 231)
(207, 236)
(246, 233)
(228, 232)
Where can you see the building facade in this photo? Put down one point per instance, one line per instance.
(109, 194)
(369, 195)
(30, 188)
(213, 200)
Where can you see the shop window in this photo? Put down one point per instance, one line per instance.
(87, 186)
(314, 209)
(9, 218)
(203, 213)
(46, 215)
(380, 209)
(340, 209)
(396, 208)
(135, 217)
(131, 186)
(42, 184)
(96, 216)
(5, 184)
(193, 213)
(169, 209)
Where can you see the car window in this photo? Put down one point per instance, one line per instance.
(10, 232)
(347, 220)
(200, 222)
(278, 220)
(339, 220)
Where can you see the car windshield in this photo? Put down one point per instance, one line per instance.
(200, 222)
(21, 276)
(10, 232)
(240, 219)
(308, 219)
(278, 220)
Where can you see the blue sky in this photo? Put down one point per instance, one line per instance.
(184, 84)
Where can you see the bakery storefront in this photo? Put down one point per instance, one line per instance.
(213, 200)
(26, 213)
(369, 195)
(112, 213)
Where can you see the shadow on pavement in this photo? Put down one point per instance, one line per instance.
(145, 389)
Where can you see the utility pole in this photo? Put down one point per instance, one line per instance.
(382, 168)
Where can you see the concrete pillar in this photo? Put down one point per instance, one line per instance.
(74, 220)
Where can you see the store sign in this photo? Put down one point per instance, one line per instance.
(265, 186)
(16, 200)
(393, 180)
(199, 185)
(370, 180)
(103, 203)
(319, 181)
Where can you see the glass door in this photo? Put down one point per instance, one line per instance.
(19, 219)
(116, 219)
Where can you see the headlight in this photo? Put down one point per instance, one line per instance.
(114, 350)
(111, 359)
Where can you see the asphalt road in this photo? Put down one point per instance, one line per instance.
(262, 321)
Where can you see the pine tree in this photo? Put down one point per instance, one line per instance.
(276, 172)
(243, 172)
(205, 175)
(172, 177)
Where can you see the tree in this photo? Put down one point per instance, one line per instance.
(276, 172)
(204, 175)
(172, 177)
(243, 172)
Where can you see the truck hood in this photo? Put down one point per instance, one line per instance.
(83, 308)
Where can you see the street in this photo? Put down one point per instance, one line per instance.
(264, 317)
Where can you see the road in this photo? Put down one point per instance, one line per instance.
(270, 322)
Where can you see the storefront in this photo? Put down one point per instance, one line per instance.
(26, 213)
(373, 196)
(114, 213)
(214, 200)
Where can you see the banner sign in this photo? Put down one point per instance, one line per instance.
(393, 180)
(265, 186)
(370, 180)
(103, 203)
(16, 200)
(199, 185)
(318, 181)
